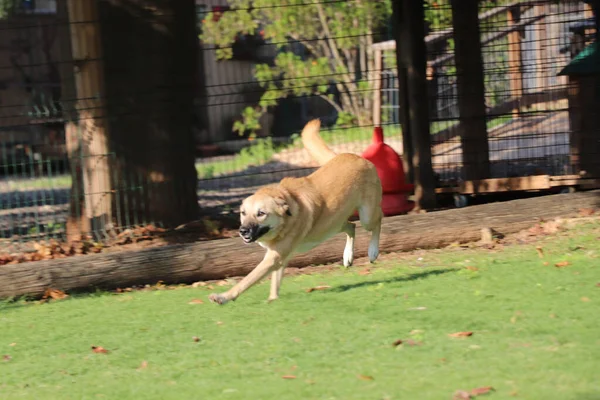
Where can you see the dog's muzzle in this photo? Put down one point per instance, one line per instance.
(252, 232)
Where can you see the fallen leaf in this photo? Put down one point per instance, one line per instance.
(6, 357)
(12, 344)
(99, 349)
(289, 376)
(461, 395)
(598, 284)
(472, 268)
(143, 365)
(481, 390)
(322, 287)
(54, 294)
(417, 308)
(365, 271)
(220, 322)
(411, 342)
(546, 263)
(562, 264)
(585, 299)
(365, 377)
(540, 251)
(397, 343)
(196, 339)
(196, 301)
(460, 334)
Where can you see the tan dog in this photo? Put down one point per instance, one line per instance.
(299, 213)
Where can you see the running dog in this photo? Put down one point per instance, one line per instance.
(298, 214)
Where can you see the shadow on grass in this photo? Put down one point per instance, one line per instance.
(404, 278)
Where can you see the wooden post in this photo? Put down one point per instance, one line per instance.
(378, 66)
(93, 135)
(515, 64)
(411, 53)
(77, 223)
(471, 90)
(540, 50)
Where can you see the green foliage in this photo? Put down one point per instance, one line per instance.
(336, 37)
(6, 7)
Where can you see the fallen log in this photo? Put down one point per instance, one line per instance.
(218, 259)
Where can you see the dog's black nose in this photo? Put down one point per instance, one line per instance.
(245, 231)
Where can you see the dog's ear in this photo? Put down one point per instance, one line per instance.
(283, 205)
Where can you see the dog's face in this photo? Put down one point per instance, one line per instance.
(262, 216)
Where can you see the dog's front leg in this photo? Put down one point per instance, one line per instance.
(271, 262)
(276, 278)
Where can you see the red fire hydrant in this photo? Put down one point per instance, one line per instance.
(391, 173)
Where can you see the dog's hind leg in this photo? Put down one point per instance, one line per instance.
(349, 229)
(370, 218)
(276, 278)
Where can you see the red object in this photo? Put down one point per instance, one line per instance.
(391, 173)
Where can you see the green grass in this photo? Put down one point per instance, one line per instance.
(536, 333)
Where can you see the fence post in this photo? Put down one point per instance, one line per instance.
(540, 53)
(377, 74)
(411, 54)
(89, 83)
(471, 89)
(515, 64)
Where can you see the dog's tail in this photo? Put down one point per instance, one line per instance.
(315, 145)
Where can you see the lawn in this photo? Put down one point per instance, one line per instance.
(535, 333)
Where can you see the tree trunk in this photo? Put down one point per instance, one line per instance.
(151, 74)
(217, 259)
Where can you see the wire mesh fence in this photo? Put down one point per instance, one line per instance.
(263, 72)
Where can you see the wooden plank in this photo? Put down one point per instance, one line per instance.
(496, 185)
(186, 263)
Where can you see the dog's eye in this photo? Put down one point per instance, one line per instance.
(260, 214)
(243, 212)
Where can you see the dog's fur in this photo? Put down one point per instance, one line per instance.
(299, 213)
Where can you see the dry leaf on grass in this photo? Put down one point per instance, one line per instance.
(540, 251)
(12, 344)
(481, 390)
(461, 395)
(6, 357)
(54, 294)
(196, 339)
(289, 376)
(472, 268)
(461, 334)
(365, 377)
(99, 350)
(585, 299)
(322, 287)
(562, 264)
(196, 301)
(598, 284)
(143, 365)
(397, 343)
(365, 271)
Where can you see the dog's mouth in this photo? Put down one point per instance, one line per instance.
(253, 233)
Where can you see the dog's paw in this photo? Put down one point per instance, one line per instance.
(373, 253)
(348, 257)
(217, 298)
(272, 299)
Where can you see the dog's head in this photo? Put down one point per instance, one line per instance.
(263, 214)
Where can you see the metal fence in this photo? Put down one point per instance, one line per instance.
(37, 167)
(524, 47)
